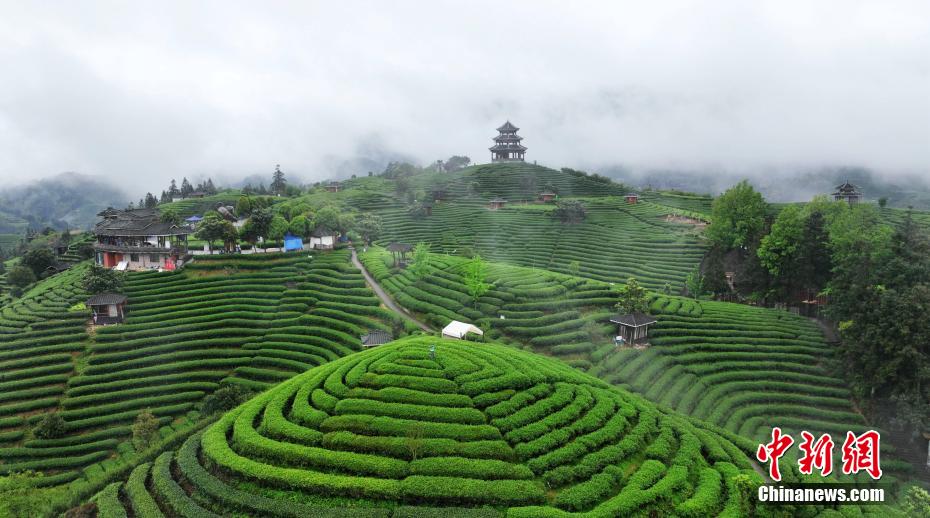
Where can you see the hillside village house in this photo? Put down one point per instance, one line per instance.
(546, 197)
(632, 198)
(139, 240)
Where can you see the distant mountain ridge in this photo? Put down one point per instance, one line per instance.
(785, 186)
(67, 200)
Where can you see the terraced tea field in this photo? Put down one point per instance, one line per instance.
(742, 368)
(616, 240)
(39, 340)
(396, 431)
(253, 320)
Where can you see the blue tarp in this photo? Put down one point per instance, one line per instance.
(292, 243)
(193, 219)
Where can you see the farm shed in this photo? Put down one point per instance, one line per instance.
(633, 327)
(457, 329)
(322, 238)
(107, 308)
(546, 197)
(497, 203)
(376, 337)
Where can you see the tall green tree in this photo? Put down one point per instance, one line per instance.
(38, 260)
(300, 226)
(278, 182)
(475, 276)
(98, 279)
(327, 217)
(215, 228)
(633, 298)
(369, 226)
(20, 276)
(570, 212)
(421, 259)
(170, 216)
(277, 228)
(738, 216)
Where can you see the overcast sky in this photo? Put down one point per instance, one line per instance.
(228, 89)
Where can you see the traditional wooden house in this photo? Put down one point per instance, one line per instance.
(497, 203)
(323, 238)
(632, 328)
(546, 197)
(196, 194)
(333, 186)
(847, 192)
(107, 308)
(399, 253)
(428, 208)
(632, 198)
(376, 337)
(139, 240)
(507, 147)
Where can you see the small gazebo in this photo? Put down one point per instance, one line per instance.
(107, 308)
(497, 203)
(632, 328)
(399, 253)
(546, 197)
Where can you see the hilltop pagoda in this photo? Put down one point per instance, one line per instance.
(507, 146)
(848, 193)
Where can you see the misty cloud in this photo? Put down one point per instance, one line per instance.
(229, 89)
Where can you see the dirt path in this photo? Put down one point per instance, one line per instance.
(385, 298)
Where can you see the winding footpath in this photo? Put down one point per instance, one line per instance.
(385, 298)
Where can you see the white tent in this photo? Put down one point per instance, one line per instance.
(122, 265)
(457, 329)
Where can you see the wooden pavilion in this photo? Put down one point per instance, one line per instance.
(399, 253)
(848, 193)
(632, 328)
(507, 147)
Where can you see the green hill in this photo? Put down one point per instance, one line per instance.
(252, 320)
(615, 241)
(739, 367)
(396, 432)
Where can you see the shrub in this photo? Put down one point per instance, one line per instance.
(225, 398)
(144, 430)
(51, 426)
